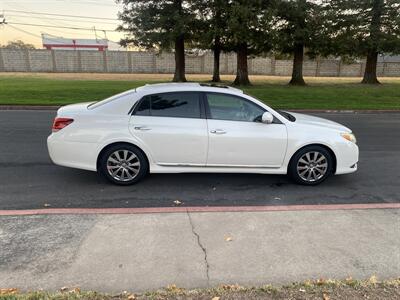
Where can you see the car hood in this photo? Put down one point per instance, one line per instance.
(320, 122)
(73, 108)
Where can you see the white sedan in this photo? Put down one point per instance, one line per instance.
(191, 127)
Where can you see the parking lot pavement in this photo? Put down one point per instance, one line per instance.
(113, 253)
(29, 180)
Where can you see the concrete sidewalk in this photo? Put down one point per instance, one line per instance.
(112, 253)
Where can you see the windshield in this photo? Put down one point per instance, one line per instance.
(286, 115)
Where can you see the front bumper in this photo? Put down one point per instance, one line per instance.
(347, 155)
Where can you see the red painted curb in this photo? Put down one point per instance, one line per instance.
(199, 209)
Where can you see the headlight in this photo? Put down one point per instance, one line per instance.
(349, 136)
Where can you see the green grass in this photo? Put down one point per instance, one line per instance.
(321, 93)
(43, 91)
(348, 96)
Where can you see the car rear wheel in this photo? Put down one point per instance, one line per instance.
(311, 165)
(123, 164)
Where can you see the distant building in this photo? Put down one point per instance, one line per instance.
(59, 43)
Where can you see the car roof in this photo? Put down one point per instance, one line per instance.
(187, 86)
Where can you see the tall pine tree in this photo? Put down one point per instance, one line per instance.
(248, 27)
(162, 24)
(365, 28)
(210, 30)
(299, 26)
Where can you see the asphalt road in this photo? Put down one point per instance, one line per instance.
(29, 180)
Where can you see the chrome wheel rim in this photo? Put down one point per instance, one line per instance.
(123, 165)
(312, 166)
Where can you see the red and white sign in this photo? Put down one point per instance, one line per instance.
(53, 43)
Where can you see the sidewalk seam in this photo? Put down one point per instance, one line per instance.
(199, 209)
(197, 235)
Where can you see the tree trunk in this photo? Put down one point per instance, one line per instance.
(217, 53)
(179, 75)
(370, 68)
(372, 54)
(242, 74)
(297, 73)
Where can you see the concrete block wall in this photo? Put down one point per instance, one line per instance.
(310, 67)
(392, 69)
(351, 70)
(118, 62)
(66, 61)
(15, 61)
(143, 62)
(194, 64)
(164, 62)
(231, 64)
(40, 61)
(283, 67)
(92, 61)
(329, 68)
(208, 59)
(260, 66)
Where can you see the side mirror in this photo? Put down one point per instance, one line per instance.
(267, 118)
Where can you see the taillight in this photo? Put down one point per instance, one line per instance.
(60, 123)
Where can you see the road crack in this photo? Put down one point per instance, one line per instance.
(197, 235)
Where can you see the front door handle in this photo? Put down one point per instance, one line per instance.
(218, 131)
(143, 128)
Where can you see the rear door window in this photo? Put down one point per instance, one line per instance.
(175, 105)
(144, 107)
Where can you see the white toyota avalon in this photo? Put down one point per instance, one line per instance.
(192, 127)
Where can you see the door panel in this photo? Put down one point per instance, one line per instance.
(171, 126)
(247, 144)
(180, 141)
(238, 138)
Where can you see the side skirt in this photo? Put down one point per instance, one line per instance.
(203, 169)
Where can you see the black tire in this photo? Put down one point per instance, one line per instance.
(299, 170)
(126, 166)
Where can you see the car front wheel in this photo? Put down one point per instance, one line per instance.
(123, 164)
(311, 165)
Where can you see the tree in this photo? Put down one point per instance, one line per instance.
(248, 32)
(299, 25)
(365, 28)
(162, 24)
(211, 29)
(18, 44)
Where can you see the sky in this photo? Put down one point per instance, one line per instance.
(32, 34)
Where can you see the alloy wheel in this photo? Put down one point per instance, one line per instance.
(312, 166)
(123, 165)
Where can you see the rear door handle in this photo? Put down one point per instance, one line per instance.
(142, 128)
(218, 131)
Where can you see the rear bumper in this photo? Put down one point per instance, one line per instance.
(72, 154)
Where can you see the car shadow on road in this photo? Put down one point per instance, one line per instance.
(33, 187)
(208, 189)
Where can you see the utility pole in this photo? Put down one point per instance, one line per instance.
(95, 32)
(2, 23)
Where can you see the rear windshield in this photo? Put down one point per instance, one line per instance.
(109, 99)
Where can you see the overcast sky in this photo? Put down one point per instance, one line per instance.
(31, 34)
